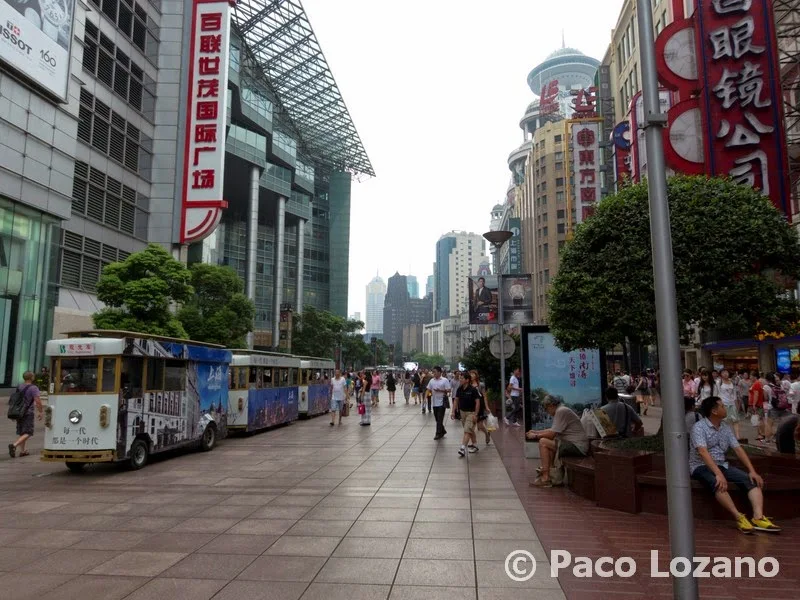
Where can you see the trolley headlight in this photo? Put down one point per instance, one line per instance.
(104, 416)
(75, 417)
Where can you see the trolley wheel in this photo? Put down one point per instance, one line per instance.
(139, 454)
(209, 439)
(75, 467)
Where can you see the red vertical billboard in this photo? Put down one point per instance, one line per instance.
(206, 116)
(739, 72)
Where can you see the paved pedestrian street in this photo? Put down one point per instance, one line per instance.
(304, 511)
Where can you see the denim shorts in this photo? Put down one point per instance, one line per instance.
(336, 405)
(732, 474)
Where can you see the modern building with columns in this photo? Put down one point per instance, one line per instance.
(93, 149)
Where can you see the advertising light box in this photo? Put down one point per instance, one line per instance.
(35, 39)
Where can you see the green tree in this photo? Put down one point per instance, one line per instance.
(219, 312)
(317, 333)
(139, 292)
(479, 357)
(735, 257)
(428, 361)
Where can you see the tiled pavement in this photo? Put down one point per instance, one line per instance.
(565, 521)
(305, 511)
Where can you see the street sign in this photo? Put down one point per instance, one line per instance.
(509, 346)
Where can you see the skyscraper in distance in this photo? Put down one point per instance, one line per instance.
(413, 286)
(376, 293)
(458, 255)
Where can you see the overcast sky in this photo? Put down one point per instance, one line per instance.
(436, 89)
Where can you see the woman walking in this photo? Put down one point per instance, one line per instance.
(375, 388)
(643, 393)
(391, 386)
(407, 386)
(728, 393)
(707, 387)
(484, 413)
(366, 401)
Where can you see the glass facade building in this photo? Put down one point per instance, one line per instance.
(86, 181)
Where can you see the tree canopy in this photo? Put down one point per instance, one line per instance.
(428, 361)
(318, 332)
(219, 312)
(139, 291)
(479, 357)
(734, 257)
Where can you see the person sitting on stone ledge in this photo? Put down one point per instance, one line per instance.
(622, 415)
(711, 439)
(566, 430)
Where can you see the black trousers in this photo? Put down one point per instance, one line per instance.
(438, 413)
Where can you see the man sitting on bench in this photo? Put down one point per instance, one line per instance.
(711, 440)
(566, 430)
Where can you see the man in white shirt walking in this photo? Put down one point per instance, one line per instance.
(515, 392)
(439, 388)
(339, 393)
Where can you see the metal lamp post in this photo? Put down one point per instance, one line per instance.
(679, 492)
(497, 239)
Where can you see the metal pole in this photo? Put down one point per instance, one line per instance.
(501, 322)
(679, 495)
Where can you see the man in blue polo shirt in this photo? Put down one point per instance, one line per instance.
(711, 440)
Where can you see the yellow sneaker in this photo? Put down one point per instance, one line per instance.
(764, 524)
(743, 524)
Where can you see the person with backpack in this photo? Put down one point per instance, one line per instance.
(21, 409)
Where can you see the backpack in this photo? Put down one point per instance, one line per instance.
(779, 400)
(16, 404)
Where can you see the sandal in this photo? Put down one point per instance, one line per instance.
(539, 482)
(12, 450)
(26, 453)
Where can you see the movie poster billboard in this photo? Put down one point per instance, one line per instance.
(35, 38)
(574, 377)
(483, 300)
(517, 300)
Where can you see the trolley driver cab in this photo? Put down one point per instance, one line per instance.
(118, 396)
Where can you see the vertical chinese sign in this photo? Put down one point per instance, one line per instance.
(585, 148)
(723, 63)
(585, 166)
(515, 246)
(206, 113)
(742, 114)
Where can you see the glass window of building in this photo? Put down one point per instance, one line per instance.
(257, 100)
(285, 143)
(235, 58)
(27, 265)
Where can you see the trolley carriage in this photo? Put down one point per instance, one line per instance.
(122, 396)
(315, 392)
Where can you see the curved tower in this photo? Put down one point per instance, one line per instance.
(570, 69)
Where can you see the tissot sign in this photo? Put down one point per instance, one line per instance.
(733, 63)
(35, 38)
(204, 160)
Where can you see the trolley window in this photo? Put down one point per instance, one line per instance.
(242, 375)
(268, 383)
(253, 381)
(231, 378)
(108, 382)
(77, 376)
(174, 375)
(131, 377)
(284, 377)
(260, 377)
(293, 376)
(304, 376)
(155, 374)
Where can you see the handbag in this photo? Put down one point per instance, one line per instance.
(345, 409)
(362, 409)
(446, 402)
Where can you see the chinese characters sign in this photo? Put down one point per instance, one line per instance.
(585, 166)
(738, 114)
(548, 101)
(515, 246)
(204, 160)
(76, 349)
(739, 72)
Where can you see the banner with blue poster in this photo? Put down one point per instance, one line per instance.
(271, 406)
(319, 400)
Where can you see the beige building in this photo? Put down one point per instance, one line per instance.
(412, 339)
(623, 53)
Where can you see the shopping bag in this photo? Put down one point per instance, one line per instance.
(491, 423)
(362, 409)
(345, 409)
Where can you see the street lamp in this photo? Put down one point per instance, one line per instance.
(497, 239)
